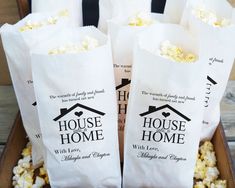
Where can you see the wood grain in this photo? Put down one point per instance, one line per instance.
(232, 74)
(8, 14)
(8, 11)
(8, 111)
(4, 72)
(1, 148)
(232, 2)
(232, 150)
(228, 111)
(8, 159)
(224, 161)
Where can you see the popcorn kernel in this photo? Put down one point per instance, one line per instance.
(18, 170)
(206, 160)
(209, 158)
(212, 174)
(42, 171)
(64, 13)
(207, 146)
(190, 58)
(210, 18)
(140, 19)
(46, 179)
(52, 21)
(40, 181)
(88, 43)
(176, 53)
(26, 152)
(29, 25)
(24, 173)
(200, 169)
(219, 184)
(199, 184)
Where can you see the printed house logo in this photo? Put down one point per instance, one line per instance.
(124, 83)
(209, 86)
(164, 124)
(122, 96)
(79, 123)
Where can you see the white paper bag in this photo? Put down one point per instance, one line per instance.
(77, 110)
(173, 10)
(17, 47)
(130, 7)
(74, 8)
(164, 114)
(218, 46)
(109, 9)
(122, 38)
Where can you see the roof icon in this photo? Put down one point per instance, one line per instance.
(124, 82)
(153, 109)
(65, 111)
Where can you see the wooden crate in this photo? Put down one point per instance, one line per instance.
(17, 141)
(23, 7)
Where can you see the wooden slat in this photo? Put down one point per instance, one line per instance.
(12, 152)
(23, 7)
(8, 111)
(228, 111)
(8, 14)
(1, 149)
(4, 72)
(232, 151)
(8, 11)
(232, 2)
(232, 74)
(225, 164)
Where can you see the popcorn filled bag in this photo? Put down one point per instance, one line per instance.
(17, 41)
(109, 9)
(211, 21)
(165, 110)
(75, 90)
(93, 11)
(122, 31)
(73, 8)
(173, 10)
